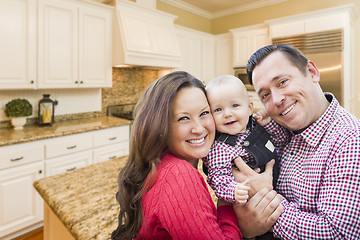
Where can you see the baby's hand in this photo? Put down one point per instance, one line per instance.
(262, 117)
(242, 192)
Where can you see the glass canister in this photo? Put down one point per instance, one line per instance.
(46, 110)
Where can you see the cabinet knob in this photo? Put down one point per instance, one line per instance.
(32, 82)
(76, 82)
(40, 171)
(81, 82)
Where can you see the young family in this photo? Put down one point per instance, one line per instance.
(313, 141)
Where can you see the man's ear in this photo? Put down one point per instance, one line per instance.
(314, 71)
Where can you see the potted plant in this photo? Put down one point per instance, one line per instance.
(18, 110)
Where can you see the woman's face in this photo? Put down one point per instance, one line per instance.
(192, 128)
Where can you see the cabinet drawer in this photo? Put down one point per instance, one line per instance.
(68, 163)
(110, 152)
(68, 144)
(111, 135)
(18, 154)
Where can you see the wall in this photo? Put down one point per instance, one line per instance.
(186, 19)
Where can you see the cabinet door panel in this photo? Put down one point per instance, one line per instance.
(17, 44)
(20, 205)
(58, 39)
(241, 46)
(94, 51)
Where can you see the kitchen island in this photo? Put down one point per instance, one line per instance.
(81, 204)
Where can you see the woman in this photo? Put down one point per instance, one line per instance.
(161, 193)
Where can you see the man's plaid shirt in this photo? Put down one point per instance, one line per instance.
(320, 178)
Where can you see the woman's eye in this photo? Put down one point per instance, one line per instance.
(183, 119)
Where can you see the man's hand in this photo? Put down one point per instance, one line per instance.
(257, 180)
(259, 214)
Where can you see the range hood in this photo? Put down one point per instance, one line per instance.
(144, 37)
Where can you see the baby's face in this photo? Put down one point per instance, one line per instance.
(231, 107)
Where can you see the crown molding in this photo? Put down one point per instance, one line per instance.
(210, 15)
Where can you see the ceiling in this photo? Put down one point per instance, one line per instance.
(219, 8)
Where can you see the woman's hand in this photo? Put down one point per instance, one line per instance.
(257, 180)
(260, 213)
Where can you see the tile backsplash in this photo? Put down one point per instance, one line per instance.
(128, 85)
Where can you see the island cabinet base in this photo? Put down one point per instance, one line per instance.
(54, 229)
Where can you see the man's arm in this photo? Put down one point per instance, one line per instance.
(262, 210)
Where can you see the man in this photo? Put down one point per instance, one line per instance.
(320, 160)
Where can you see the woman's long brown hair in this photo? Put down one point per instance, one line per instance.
(148, 141)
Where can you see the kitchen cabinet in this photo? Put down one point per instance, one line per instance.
(18, 44)
(67, 163)
(246, 41)
(305, 24)
(198, 53)
(110, 152)
(224, 54)
(20, 204)
(68, 144)
(21, 209)
(111, 143)
(74, 47)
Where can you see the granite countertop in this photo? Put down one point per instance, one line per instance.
(84, 199)
(32, 133)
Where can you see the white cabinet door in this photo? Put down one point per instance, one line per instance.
(246, 41)
(111, 151)
(95, 26)
(190, 48)
(207, 59)
(287, 28)
(198, 53)
(74, 45)
(17, 44)
(58, 44)
(224, 55)
(20, 205)
(68, 163)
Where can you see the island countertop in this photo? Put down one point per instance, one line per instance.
(34, 133)
(84, 199)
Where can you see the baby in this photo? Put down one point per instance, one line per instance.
(238, 135)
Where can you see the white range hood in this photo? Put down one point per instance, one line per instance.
(144, 37)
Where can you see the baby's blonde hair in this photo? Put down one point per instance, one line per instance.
(225, 79)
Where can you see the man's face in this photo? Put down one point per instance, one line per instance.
(288, 95)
